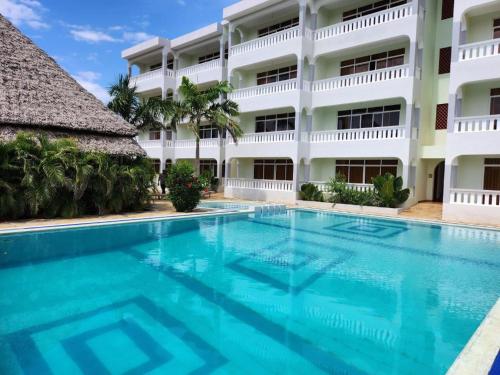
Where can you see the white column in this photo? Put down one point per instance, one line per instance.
(412, 58)
(307, 171)
(314, 21)
(298, 130)
(129, 69)
(302, 16)
(450, 176)
(228, 169)
(409, 120)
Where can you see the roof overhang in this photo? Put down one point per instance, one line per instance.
(245, 7)
(145, 47)
(197, 36)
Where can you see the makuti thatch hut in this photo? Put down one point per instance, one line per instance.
(37, 95)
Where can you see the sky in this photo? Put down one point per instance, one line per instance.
(86, 37)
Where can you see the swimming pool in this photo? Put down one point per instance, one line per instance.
(299, 292)
(221, 205)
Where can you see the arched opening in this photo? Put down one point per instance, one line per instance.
(437, 194)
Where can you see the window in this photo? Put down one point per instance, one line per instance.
(447, 9)
(276, 75)
(444, 60)
(154, 135)
(491, 174)
(280, 169)
(170, 96)
(156, 165)
(273, 123)
(209, 131)
(155, 66)
(170, 63)
(168, 134)
(209, 57)
(278, 27)
(496, 28)
(371, 8)
(442, 116)
(369, 117)
(208, 165)
(362, 171)
(373, 62)
(495, 102)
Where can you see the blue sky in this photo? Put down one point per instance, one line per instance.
(86, 37)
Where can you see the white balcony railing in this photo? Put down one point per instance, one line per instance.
(188, 143)
(477, 124)
(475, 197)
(147, 76)
(477, 50)
(270, 137)
(266, 41)
(246, 183)
(271, 88)
(323, 186)
(397, 72)
(169, 143)
(195, 69)
(364, 134)
(146, 143)
(364, 22)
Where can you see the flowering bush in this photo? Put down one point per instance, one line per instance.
(184, 189)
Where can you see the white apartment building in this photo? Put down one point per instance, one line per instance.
(361, 88)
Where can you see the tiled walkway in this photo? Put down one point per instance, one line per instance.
(424, 210)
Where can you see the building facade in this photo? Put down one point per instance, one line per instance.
(361, 88)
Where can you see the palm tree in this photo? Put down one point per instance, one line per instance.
(140, 112)
(198, 106)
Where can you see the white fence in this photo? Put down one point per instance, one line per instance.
(389, 132)
(476, 124)
(364, 22)
(397, 72)
(475, 197)
(266, 41)
(478, 50)
(187, 143)
(271, 88)
(270, 137)
(244, 183)
(195, 69)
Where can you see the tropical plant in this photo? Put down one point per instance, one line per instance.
(389, 190)
(184, 188)
(48, 178)
(140, 112)
(197, 107)
(340, 192)
(310, 192)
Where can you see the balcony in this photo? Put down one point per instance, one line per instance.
(266, 145)
(468, 132)
(209, 71)
(384, 25)
(209, 148)
(273, 46)
(269, 96)
(476, 62)
(148, 81)
(323, 186)
(484, 198)
(247, 183)
(383, 142)
(383, 83)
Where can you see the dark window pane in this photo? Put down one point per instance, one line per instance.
(442, 116)
(377, 119)
(356, 175)
(355, 122)
(391, 170)
(371, 172)
(366, 120)
(281, 172)
(269, 172)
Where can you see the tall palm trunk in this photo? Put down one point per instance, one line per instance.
(197, 151)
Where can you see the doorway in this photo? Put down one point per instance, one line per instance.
(437, 195)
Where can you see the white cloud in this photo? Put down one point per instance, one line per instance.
(181, 2)
(21, 12)
(136, 37)
(88, 80)
(91, 36)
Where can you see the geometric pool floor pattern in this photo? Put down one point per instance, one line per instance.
(138, 335)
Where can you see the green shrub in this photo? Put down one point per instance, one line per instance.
(340, 192)
(389, 191)
(44, 178)
(310, 192)
(184, 189)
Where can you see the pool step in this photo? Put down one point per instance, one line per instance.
(270, 209)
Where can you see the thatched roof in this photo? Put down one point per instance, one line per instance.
(36, 94)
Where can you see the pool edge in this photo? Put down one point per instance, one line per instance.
(479, 353)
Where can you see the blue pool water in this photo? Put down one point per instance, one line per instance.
(296, 293)
(217, 205)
